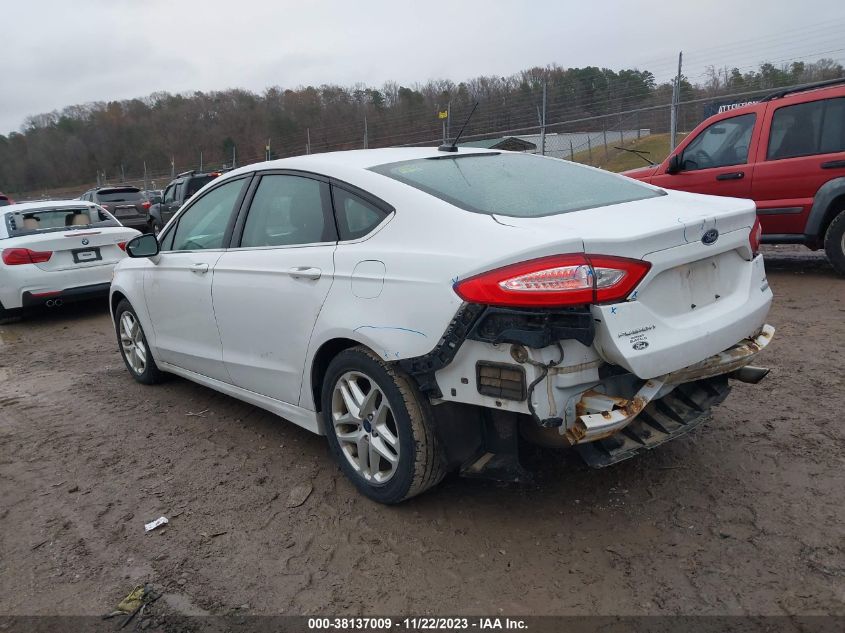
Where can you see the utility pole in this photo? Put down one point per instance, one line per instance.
(366, 140)
(268, 149)
(308, 140)
(172, 167)
(234, 155)
(676, 99)
(122, 173)
(145, 176)
(543, 123)
(200, 160)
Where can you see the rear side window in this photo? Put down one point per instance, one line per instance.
(286, 211)
(833, 127)
(517, 185)
(355, 216)
(120, 195)
(195, 184)
(721, 144)
(796, 130)
(64, 219)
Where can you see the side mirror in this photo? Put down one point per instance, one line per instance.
(674, 164)
(143, 246)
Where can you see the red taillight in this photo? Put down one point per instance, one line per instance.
(121, 245)
(18, 256)
(146, 204)
(559, 280)
(754, 237)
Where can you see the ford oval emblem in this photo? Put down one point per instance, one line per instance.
(710, 237)
(85, 241)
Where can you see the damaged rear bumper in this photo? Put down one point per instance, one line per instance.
(601, 415)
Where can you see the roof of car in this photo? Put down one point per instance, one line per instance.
(23, 207)
(357, 158)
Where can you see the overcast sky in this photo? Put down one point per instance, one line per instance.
(58, 53)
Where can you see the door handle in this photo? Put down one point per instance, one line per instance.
(834, 164)
(733, 175)
(199, 269)
(305, 272)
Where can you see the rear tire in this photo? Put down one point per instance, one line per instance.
(134, 347)
(834, 243)
(379, 427)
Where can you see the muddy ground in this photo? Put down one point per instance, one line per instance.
(746, 515)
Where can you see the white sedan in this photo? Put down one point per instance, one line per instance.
(55, 252)
(424, 308)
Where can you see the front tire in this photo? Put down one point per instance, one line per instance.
(834, 243)
(133, 345)
(379, 427)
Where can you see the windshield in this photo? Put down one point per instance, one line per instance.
(119, 195)
(64, 219)
(517, 185)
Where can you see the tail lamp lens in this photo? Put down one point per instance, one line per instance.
(755, 236)
(18, 256)
(146, 204)
(559, 280)
(121, 245)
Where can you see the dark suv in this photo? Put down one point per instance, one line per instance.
(176, 194)
(127, 204)
(785, 152)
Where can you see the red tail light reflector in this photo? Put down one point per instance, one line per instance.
(18, 256)
(121, 245)
(559, 280)
(146, 204)
(755, 236)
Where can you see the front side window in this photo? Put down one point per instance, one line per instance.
(722, 144)
(286, 211)
(517, 185)
(168, 193)
(355, 217)
(203, 225)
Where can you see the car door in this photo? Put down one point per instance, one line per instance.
(177, 286)
(270, 286)
(803, 149)
(716, 160)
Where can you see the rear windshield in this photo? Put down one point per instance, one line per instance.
(517, 185)
(195, 184)
(65, 219)
(120, 195)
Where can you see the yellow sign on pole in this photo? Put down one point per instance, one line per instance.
(444, 114)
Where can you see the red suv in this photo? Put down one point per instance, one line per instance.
(786, 152)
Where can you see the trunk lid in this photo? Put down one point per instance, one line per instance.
(80, 248)
(635, 229)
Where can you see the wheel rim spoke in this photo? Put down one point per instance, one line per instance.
(364, 426)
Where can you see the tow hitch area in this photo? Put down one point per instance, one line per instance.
(662, 420)
(609, 429)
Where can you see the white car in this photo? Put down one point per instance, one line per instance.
(424, 308)
(54, 252)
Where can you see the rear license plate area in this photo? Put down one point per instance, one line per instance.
(85, 255)
(122, 213)
(703, 282)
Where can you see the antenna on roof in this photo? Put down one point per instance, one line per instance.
(454, 146)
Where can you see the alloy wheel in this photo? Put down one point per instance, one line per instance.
(365, 427)
(132, 342)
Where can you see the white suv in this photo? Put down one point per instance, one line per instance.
(425, 308)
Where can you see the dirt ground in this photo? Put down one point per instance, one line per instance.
(746, 515)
